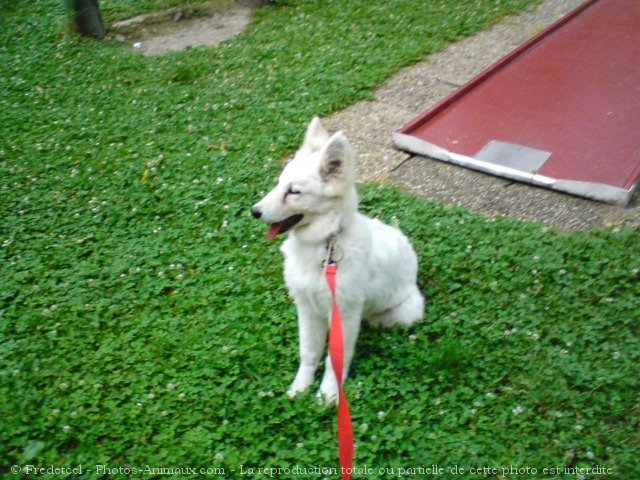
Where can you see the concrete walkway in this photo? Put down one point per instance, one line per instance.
(413, 90)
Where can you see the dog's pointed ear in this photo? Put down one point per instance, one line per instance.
(337, 160)
(315, 137)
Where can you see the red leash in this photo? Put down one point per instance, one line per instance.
(336, 351)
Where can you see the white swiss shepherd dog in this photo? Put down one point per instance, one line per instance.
(316, 202)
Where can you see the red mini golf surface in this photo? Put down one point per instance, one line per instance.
(570, 97)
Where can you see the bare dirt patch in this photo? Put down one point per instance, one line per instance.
(183, 27)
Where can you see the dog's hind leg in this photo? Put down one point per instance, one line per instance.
(313, 336)
(405, 313)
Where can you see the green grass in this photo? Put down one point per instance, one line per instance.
(143, 316)
(114, 10)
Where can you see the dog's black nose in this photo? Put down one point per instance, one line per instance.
(255, 211)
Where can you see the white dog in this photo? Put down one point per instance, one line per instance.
(316, 202)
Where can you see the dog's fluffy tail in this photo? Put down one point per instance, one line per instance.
(405, 314)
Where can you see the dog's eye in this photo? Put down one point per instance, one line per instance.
(292, 191)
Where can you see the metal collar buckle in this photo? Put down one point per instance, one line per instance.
(332, 250)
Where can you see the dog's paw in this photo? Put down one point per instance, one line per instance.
(303, 380)
(328, 392)
(292, 392)
(327, 398)
(296, 388)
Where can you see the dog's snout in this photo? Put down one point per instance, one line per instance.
(256, 212)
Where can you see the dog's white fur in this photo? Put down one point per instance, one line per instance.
(377, 267)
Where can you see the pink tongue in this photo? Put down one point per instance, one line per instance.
(273, 231)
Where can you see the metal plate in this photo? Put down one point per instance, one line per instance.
(510, 155)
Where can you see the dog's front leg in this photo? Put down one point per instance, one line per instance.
(350, 327)
(313, 336)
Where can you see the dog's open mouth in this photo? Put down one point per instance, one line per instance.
(277, 228)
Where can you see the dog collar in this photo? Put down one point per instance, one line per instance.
(333, 252)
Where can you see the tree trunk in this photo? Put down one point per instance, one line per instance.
(86, 17)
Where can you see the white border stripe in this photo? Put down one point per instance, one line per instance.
(596, 191)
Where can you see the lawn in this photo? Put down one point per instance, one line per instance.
(144, 322)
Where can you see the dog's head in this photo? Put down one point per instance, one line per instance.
(315, 190)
